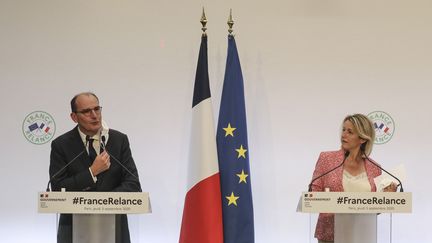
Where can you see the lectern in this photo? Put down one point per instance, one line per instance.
(94, 213)
(355, 212)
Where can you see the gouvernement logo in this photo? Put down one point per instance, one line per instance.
(384, 126)
(38, 127)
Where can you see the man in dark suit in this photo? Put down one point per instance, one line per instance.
(93, 170)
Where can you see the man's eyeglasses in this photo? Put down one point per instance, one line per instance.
(88, 112)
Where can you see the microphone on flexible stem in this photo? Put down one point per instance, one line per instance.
(115, 159)
(345, 157)
(400, 183)
(70, 162)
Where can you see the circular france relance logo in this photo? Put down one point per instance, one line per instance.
(38, 127)
(384, 126)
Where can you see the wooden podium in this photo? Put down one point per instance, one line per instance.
(355, 212)
(94, 213)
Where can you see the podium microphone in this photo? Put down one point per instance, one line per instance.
(70, 162)
(115, 159)
(345, 157)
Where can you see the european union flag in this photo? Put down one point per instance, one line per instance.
(33, 127)
(233, 153)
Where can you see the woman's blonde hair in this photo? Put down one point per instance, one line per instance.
(364, 128)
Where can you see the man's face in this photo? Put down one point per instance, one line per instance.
(88, 114)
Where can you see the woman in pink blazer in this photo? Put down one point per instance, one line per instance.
(356, 174)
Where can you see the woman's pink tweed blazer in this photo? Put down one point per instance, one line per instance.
(333, 181)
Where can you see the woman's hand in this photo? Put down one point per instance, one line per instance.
(390, 188)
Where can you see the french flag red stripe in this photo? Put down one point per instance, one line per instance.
(202, 213)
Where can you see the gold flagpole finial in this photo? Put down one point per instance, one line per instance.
(204, 23)
(230, 23)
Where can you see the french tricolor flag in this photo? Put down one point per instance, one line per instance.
(382, 127)
(46, 129)
(202, 213)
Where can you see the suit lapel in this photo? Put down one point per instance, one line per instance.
(77, 145)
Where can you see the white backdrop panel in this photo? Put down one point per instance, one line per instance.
(306, 64)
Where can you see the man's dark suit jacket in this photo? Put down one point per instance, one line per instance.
(77, 177)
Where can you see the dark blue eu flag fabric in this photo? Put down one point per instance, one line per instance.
(233, 153)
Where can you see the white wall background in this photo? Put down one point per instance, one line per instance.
(306, 64)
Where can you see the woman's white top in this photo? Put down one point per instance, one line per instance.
(358, 183)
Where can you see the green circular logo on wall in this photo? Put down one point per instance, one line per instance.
(38, 127)
(384, 126)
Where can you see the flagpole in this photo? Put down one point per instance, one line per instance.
(230, 24)
(203, 23)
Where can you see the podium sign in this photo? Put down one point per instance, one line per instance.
(356, 202)
(94, 202)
